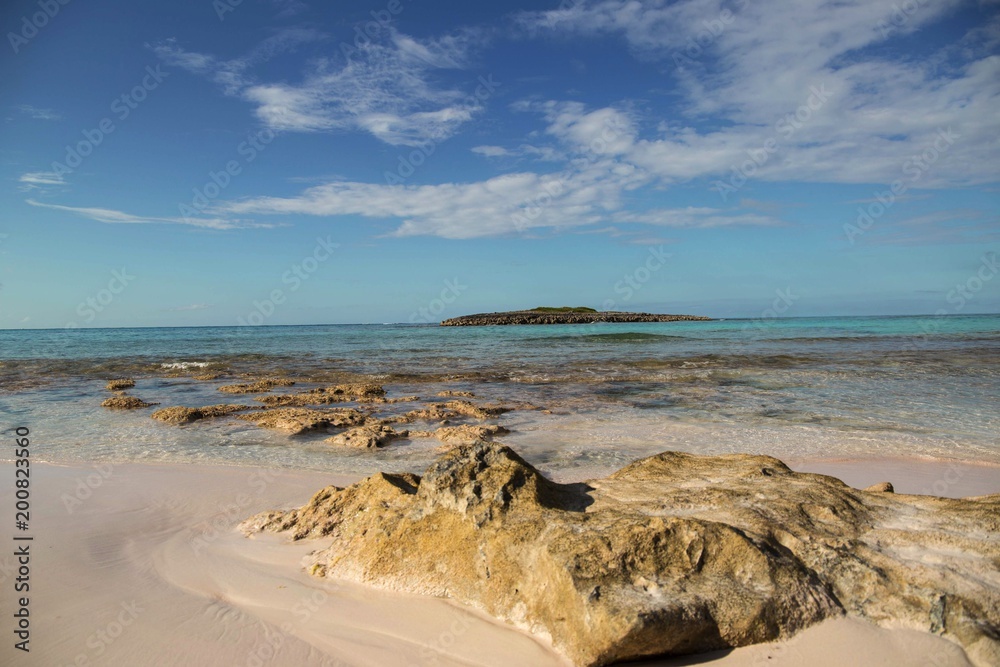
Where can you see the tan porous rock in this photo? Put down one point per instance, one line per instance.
(303, 420)
(341, 393)
(119, 384)
(881, 487)
(258, 387)
(445, 412)
(469, 409)
(369, 436)
(125, 403)
(466, 434)
(182, 415)
(453, 393)
(673, 554)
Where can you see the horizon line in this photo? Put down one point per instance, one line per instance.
(437, 324)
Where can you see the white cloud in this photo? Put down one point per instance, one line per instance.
(492, 151)
(750, 71)
(810, 80)
(697, 217)
(193, 306)
(589, 191)
(111, 216)
(38, 179)
(35, 112)
(382, 87)
(544, 153)
(236, 74)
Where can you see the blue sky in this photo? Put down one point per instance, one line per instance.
(282, 162)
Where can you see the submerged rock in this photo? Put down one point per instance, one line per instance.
(341, 393)
(445, 412)
(466, 434)
(119, 384)
(673, 554)
(125, 403)
(383, 399)
(470, 409)
(432, 413)
(368, 436)
(182, 415)
(258, 387)
(302, 420)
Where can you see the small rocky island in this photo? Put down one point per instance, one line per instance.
(562, 315)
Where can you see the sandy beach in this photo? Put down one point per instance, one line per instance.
(142, 564)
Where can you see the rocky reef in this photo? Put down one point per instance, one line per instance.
(181, 415)
(258, 387)
(341, 393)
(120, 384)
(369, 436)
(673, 554)
(556, 316)
(123, 402)
(296, 421)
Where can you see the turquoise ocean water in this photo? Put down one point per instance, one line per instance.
(795, 388)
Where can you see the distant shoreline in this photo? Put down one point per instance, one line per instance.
(524, 317)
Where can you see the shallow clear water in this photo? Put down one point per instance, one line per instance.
(794, 388)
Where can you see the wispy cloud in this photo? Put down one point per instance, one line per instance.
(492, 151)
(813, 78)
(863, 133)
(383, 87)
(39, 179)
(287, 8)
(589, 190)
(110, 216)
(951, 226)
(193, 306)
(35, 112)
(698, 218)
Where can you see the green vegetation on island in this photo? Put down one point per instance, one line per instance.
(563, 309)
